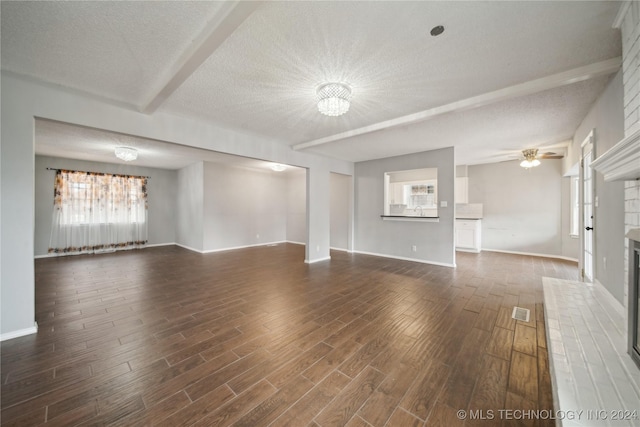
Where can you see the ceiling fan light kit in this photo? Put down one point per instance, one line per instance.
(530, 160)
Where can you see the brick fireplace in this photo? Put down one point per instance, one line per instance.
(622, 162)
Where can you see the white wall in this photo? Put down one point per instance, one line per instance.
(190, 207)
(17, 294)
(434, 240)
(318, 224)
(521, 207)
(340, 211)
(606, 117)
(24, 100)
(414, 175)
(161, 190)
(296, 205)
(243, 207)
(218, 206)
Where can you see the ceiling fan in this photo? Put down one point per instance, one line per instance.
(532, 159)
(510, 155)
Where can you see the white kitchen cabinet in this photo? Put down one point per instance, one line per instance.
(462, 189)
(396, 193)
(469, 235)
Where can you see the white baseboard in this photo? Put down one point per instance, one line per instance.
(473, 251)
(63, 254)
(313, 261)
(53, 255)
(189, 248)
(155, 245)
(331, 248)
(531, 254)
(441, 264)
(232, 248)
(20, 332)
(208, 251)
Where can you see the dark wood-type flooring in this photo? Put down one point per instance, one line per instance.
(254, 337)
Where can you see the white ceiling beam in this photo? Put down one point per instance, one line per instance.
(528, 88)
(225, 22)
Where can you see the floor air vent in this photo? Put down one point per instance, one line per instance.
(520, 313)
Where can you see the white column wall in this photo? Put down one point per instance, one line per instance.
(17, 291)
(318, 223)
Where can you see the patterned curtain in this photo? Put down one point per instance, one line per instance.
(98, 212)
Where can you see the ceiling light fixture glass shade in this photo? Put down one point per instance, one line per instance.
(530, 164)
(530, 160)
(278, 167)
(334, 99)
(126, 153)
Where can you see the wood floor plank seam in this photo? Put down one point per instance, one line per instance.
(256, 337)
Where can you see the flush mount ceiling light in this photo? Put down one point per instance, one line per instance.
(530, 160)
(278, 167)
(333, 99)
(126, 153)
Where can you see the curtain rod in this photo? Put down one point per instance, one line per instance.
(105, 173)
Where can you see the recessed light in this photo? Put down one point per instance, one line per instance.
(437, 30)
(278, 167)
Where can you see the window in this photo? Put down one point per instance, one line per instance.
(97, 211)
(103, 200)
(574, 230)
(420, 195)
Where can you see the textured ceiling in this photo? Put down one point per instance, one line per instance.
(262, 75)
(58, 139)
(483, 135)
(119, 50)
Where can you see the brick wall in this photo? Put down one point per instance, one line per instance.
(630, 28)
(631, 67)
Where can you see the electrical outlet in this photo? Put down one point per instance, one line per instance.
(257, 236)
(414, 248)
(443, 204)
(604, 261)
(318, 248)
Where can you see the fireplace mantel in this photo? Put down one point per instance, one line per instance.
(633, 234)
(622, 161)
